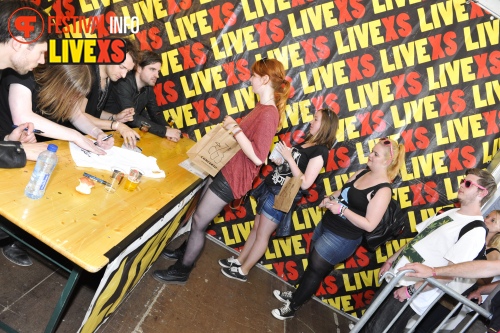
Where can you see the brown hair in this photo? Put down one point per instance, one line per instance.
(486, 180)
(61, 87)
(276, 72)
(149, 57)
(398, 156)
(327, 133)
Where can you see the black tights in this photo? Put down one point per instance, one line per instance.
(209, 206)
(317, 269)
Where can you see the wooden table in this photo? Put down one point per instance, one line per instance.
(94, 230)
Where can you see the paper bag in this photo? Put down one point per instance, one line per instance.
(213, 150)
(283, 201)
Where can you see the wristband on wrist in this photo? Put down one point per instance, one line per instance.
(433, 272)
(111, 126)
(410, 290)
(236, 132)
(343, 210)
(407, 292)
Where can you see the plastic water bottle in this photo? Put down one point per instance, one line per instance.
(45, 164)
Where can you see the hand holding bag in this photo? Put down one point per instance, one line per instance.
(283, 201)
(214, 150)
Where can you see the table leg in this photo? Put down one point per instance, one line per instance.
(63, 300)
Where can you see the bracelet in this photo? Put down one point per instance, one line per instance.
(340, 209)
(410, 290)
(112, 122)
(343, 210)
(407, 292)
(237, 131)
(434, 272)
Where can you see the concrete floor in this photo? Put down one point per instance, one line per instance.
(209, 302)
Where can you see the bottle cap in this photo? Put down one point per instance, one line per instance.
(52, 147)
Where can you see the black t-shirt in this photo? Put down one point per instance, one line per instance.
(301, 156)
(357, 201)
(97, 97)
(10, 76)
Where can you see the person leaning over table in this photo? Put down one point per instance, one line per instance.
(51, 97)
(136, 92)
(99, 93)
(365, 198)
(254, 134)
(438, 244)
(22, 56)
(305, 161)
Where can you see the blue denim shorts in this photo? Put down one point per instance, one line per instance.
(221, 188)
(265, 206)
(331, 246)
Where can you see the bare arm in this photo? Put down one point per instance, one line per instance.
(21, 109)
(313, 168)
(129, 135)
(469, 269)
(245, 144)
(374, 212)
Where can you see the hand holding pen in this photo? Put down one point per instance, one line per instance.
(105, 141)
(24, 133)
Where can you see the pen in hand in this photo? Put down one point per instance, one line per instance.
(36, 131)
(105, 138)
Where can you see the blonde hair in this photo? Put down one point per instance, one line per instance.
(276, 73)
(397, 156)
(61, 87)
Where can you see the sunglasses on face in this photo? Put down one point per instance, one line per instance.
(468, 183)
(387, 142)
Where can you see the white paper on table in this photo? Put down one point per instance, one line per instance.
(116, 157)
(186, 164)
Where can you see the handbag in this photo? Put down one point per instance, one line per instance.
(214, 150)
(12, 155)
(390, 226)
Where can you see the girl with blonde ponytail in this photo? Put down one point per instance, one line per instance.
(356, 208)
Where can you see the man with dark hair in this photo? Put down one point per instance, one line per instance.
(98, 96)
(448, 238)
(136, 92)
(22, 52)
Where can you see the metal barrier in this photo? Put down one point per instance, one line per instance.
(433, 282)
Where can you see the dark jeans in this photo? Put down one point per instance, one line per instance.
(386, 313)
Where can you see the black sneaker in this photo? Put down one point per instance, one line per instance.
(229, 262)
(176, 254)
(175, 274)
(286, 312)
(283, 296)
(16, 254)
(234, 273)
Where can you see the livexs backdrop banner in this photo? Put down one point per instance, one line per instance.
(425, 73)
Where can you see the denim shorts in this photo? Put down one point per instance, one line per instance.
(331, 246)
(265, 206)
(221, 188)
